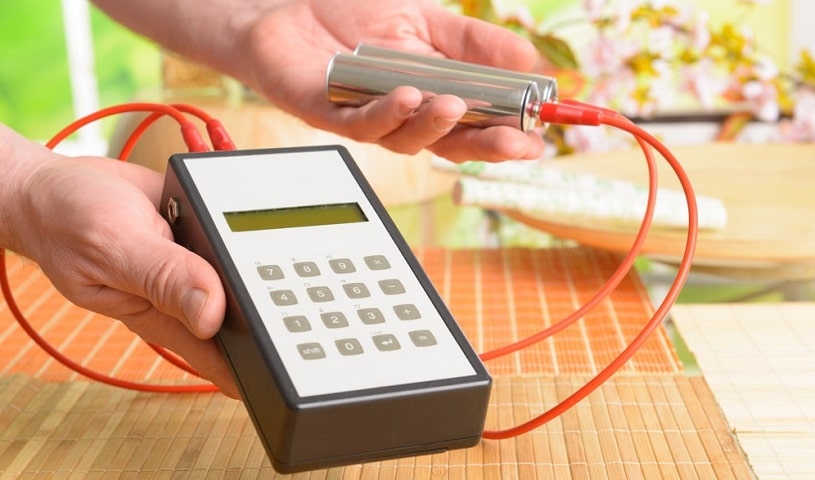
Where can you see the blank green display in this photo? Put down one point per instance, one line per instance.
(302, 216)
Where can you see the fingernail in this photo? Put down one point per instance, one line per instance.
(192, 304)
(445, 124)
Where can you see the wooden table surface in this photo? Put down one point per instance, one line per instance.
(766, 189)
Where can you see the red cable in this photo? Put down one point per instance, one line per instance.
(576, 113)
(78, 368)
(567, 112)
(189, 136)
(218, 135)
(614, 280)
(215, 129)
(589, 114)
(136, 134)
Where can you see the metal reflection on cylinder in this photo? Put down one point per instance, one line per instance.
(491, 99)
(547, 86)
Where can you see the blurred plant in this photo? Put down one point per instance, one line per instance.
(645, 58)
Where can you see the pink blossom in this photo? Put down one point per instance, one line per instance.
(594, 8)
(762, 97)
(765, 69)
(624, 9)
(661, 40)
(610, 89)
(662, 89)
(660, 4)
(802, 126)
(700, 31)
(605, 55)
(702, 82)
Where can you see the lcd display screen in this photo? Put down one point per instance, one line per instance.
(290, 217)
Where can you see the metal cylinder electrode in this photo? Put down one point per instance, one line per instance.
(492, 99)
(547, 86)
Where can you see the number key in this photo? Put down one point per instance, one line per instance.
(306, 269)
(283, 297)
(349, 346)
(370, 316)
(270, 272)
(356, 290)
(297, 323)
(320, 294)
(342, 265)
(334, 319)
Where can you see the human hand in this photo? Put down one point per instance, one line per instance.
(289, 48)
(93, 227)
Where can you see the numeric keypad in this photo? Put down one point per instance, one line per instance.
(339, 278)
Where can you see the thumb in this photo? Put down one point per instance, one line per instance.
(183, 285)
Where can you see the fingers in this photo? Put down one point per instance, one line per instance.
(434, 125)
(204, 356)
(478, 41)
(145, 276)
(179, 284)
(380, 117)
(100, 240)
(178, 303)
(426, 125)
(141, 259)
(493, 144)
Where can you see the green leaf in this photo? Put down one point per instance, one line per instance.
(556, 51)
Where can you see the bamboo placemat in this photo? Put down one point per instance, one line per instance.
(649, 421)
(634, 426)
(759, 360)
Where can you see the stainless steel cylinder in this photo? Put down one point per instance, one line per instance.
(491, 99)
(547, 86)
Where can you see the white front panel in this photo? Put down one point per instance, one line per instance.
(353, 341)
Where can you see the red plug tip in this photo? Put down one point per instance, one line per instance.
(570, 114)
(192, 138)
(218, 136)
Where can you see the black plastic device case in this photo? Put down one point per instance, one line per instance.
(335, 429)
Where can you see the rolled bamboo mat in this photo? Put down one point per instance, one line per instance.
(759, 360)
(649, 421)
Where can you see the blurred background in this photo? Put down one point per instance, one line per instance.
(44, 84)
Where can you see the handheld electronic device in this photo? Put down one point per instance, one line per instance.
(342, 349)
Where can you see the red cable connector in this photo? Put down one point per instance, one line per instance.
(192, 138)
(218, 136)
(569, 114)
